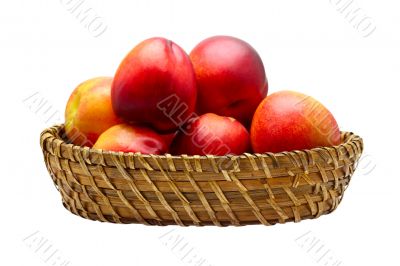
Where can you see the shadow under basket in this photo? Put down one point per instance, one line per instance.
(184, 190)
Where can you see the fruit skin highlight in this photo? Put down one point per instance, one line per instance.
(89, 111)
(288, 120)
(212, 134)
(128, 138)
(154, 70)
(230, 76)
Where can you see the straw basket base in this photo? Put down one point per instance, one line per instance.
(199, 190)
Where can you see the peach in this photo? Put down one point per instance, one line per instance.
(288, 120)
(212, 134)
(230, 76)
(168, 138)
(128, 138)
(153, 71)
(89, 111)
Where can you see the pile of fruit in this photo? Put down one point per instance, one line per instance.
(211, 102)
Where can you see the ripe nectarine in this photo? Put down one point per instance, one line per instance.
(127, 138)
(212, 134)
(230, 77)
(288, 120)
(89, 112)
(154, 70)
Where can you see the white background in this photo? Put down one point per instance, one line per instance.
(308, 46)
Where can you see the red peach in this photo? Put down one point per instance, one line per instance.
(153, 71)
(289, 120)
(168, 138)
(230, 77)
(128, 138)
(89, 112)
(212, 134)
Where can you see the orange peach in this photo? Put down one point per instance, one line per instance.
(289, 120)
(128, 138)
(89, 111)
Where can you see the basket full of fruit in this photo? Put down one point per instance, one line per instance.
(195, 140)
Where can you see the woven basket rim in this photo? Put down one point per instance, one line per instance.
(195, 190)
(348, 138)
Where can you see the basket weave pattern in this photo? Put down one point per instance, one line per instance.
(199, 190)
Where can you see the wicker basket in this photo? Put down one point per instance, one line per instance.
(199, 190)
